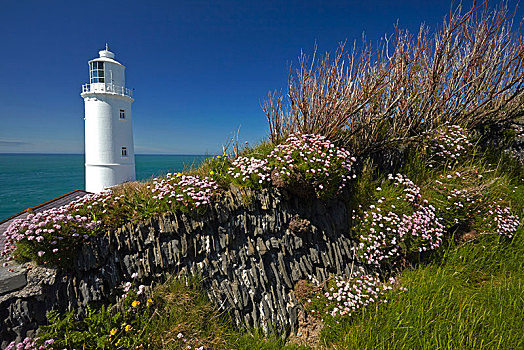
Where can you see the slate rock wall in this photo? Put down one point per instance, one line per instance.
(250, 249)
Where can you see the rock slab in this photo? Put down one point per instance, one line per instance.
(250, 249)
(12, 278)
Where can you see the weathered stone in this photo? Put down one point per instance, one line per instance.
(261, 247)
(324, 256)
(297, 243)
(313, 253)
(306, 265)
(250, 248)
(12, 278)
(283, 272)
(242, 247)
(294, 271)
(183, 245)
(274, 243)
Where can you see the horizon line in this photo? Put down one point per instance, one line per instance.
(83, 154)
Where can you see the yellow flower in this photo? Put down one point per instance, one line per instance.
(149, 301)
(113, 331)
(225, 155)
(178, 174)
(218, 157)
(211, 172)
(135, 303)
(128, 328)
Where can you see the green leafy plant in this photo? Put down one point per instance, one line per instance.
(102, 328)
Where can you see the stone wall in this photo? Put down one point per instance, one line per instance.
(250, 249)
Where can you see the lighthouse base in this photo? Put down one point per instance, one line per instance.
(103, 176)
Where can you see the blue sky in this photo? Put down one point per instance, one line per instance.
(200, 69)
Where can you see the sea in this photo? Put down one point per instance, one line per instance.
(27, 180)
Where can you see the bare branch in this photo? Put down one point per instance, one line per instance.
(469, 72)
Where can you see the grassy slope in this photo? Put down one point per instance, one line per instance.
(470, 295)
(471, 299)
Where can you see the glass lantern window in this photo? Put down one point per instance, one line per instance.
(96, 72)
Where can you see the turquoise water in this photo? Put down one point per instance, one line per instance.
(30, 179)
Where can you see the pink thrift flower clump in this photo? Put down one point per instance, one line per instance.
(53, 230)
(345, 296)
(457, 202)
(350, 295)
(502, 221)
(386, 234)
(381, 241)
(30, 344)
(496, 217)
(250, 170)
(182, 190)
(449, 144)
(314, 157)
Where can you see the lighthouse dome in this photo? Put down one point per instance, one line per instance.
(106, 56)
(106, 53)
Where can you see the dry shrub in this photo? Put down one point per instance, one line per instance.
(469, 72)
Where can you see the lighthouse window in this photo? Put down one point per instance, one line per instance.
(124, 151)
(96, 72)
(122, 114)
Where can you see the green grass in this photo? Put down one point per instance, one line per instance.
(178, 306)
(472, 299)
(258, 341)
(259, 150)
(183, 307)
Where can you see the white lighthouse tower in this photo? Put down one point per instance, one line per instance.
(109, 150)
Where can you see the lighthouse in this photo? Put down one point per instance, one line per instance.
(109, 149)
